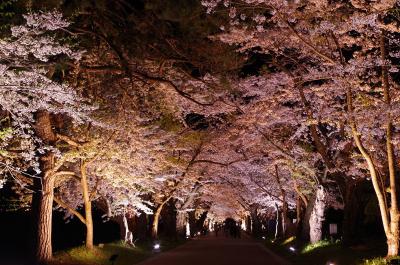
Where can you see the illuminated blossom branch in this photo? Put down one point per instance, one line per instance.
(26, 65)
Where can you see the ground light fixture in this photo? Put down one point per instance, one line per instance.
(292, 249)
(156, 247)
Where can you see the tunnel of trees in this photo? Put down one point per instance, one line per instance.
(137, 119)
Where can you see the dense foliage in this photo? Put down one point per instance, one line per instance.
(239, 108)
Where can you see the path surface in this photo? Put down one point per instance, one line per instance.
(213, 250)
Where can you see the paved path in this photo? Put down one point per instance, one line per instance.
(213, 250)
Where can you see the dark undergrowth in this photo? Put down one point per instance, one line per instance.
(329, 252)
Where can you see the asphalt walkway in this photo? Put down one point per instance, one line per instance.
(211, 250)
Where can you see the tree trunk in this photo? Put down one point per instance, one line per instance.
(248, 223)
(44, 231)
(192, 223)
(255, 222)
(300, 210)
(169, 220)
(278, 224)
(182, 217)
(393, 246)
(317, 216)
(285, 219)
(87, 220)
(126, 233)
(200, 221)
(181, 220)
(156, 219)
(389, 215)
(125, 228)
(87, 206)
(350, 212)
(43, 248)
(393, 235)
(305, 229)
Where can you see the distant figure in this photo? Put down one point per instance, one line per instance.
(230, 228)
(216, 230)
(233, 230)
(226, 230)
(204, 231)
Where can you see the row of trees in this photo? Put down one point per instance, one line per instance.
(89, 119)
(332, 74)
(259, 107)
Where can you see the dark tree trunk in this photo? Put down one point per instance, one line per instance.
(120, 221)
(169, 220)
(193, 223)
(248, 223)
(283, 226)
(299, 216)
(278, 225)
(256, 228)
(200, 221)
(196, 224)
(141, 224)
(350, 213)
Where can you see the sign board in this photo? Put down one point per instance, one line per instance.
(332, 229)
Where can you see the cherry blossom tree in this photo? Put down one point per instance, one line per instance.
(29, 95)
(324, 53)
(210, 136)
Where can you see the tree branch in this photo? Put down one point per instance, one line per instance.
(68, 140)
(70, 209)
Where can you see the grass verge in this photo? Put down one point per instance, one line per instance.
(116, 253)
(327, 252)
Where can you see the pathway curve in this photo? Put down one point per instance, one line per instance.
(211, 250)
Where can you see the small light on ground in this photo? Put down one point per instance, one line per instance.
(292, 249)
(263, 237)
(157, 246)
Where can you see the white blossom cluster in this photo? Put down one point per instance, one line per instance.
(26, 58)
